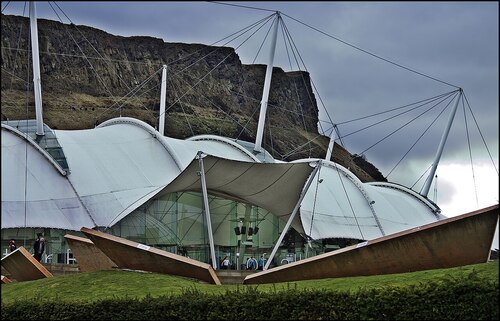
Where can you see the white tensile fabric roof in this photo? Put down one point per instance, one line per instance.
(275, 187)
(49, 200)
(124, 162)
(338, 204)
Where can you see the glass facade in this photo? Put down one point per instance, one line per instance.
(176, 223)
(56, 248)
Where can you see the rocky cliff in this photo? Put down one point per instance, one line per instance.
(89, 76)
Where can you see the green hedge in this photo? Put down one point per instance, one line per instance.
(452, 299)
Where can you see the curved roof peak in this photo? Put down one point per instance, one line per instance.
(148, 128)
(233, 143)
(48, 145)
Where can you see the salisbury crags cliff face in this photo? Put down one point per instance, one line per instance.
(209, 90)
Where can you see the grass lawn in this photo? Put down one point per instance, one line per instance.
(94, 286)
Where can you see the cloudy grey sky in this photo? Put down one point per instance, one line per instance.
(454, 42)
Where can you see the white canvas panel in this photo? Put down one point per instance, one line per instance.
(63, 214)
(338, 205)
(340, 208)
(114, 158)
(274, 187)
(188, 149)
(140, 195)
(408, 212)
(48, 201)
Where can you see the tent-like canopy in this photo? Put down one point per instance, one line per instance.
(123, 163)
(118, 166)
(35, 192)
(274, 187)
(338, 204)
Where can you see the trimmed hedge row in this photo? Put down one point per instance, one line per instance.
(452, 299)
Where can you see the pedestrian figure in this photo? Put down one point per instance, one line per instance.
(260, 263)
(251, 263)
(12, 245)
(225, 263)
(39, 247)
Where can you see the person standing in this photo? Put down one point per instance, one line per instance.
(260, 263)
(225, 263)
(12, 245)
(254, 263)
(248, 264)
(39, 247)
(251, 263)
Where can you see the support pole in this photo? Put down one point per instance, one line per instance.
(439, 152)
(294, 212)
(267, 86)
(37, 83)
(206, 209)
(329, 151)
(163, 96)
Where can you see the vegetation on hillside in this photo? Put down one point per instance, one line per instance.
(80, 94)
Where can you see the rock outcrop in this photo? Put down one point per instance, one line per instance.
(89, 76)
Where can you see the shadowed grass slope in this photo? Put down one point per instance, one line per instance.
(127, 284)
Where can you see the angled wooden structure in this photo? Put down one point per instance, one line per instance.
(89, 257)
(456, 241)
(5, 279)
(132, 255)
(22, 266)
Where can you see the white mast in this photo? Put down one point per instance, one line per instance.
(206, 209)
(37, 84)
(267, 85)
(163, 95)
(428, 181)
(329, 151)
(294, 212)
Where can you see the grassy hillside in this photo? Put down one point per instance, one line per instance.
(96, 286)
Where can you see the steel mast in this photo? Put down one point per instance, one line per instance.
(267, 85)
(428, 181)
(37, 83)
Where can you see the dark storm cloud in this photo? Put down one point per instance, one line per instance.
(456, 42)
